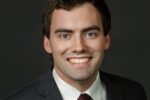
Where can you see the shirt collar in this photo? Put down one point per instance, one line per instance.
(68, 92)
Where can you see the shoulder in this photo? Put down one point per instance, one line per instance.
(30, 91)
(118, 80)
(126, 86)
(38, 90)
(24, 93)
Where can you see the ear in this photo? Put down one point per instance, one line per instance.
(107, 41)
(47, 44)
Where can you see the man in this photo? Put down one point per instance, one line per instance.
(76, 34)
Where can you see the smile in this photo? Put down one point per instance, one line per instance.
(78, 60)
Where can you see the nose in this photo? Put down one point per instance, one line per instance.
(79, 45)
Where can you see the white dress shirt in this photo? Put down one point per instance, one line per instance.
(97, 90)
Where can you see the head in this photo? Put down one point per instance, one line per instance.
(77, 34)
(51, 5)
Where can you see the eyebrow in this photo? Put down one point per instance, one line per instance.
(94, 27)
(63, 30)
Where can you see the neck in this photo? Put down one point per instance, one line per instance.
(82, 84)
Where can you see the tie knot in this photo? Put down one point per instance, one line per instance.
(84, 97)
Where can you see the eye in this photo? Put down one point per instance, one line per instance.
(64, 35)
(91, 34)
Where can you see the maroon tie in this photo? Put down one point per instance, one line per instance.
(84, 97)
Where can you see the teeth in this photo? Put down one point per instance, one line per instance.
(78, 61)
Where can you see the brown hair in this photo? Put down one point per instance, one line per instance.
(51, 5)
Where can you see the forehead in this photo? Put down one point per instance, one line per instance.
(78, 17)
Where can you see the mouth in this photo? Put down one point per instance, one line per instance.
(79, 60)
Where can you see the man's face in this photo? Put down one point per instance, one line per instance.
(77, 42)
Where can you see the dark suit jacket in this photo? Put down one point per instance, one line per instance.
(45, 88)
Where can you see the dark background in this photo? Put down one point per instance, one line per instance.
(22, 57)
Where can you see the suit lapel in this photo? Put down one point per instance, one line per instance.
(113, 91)
(49, 91)
(48, 88)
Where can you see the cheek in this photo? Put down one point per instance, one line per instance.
(58, 47)
(96, 45)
